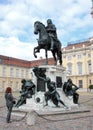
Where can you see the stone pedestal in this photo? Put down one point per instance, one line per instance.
(55, 73)
(37, 102)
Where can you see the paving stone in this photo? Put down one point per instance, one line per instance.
(76, 121)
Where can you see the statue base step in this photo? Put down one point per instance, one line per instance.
(31, 115)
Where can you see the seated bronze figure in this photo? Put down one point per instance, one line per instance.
(70, 90)
(52, 94)
(27, 90)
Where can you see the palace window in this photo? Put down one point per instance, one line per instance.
(3, 85)
(26, 73)
(69, 57)
(17, 87)
(79, 67)
(22, 73)
(80, 83)
(17, 72)
(4, 71)
(79, 56)
(11, 84)
(89, 67)
(89, 55)
(11, 72)
(70, 68)
(90, 81)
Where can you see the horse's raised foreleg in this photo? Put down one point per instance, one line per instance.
(36, 49)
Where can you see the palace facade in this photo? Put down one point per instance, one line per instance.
(13, 70)
(78, 60)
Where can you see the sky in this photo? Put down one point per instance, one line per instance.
(17, 39)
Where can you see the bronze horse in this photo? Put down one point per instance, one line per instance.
(44, 42)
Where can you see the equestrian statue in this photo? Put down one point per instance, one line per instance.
(48, 40)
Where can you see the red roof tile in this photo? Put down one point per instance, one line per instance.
(77, 45)
(23, 63)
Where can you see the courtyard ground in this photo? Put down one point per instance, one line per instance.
(75, 121)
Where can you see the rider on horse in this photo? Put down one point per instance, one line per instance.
(48, 41)
(51, 30)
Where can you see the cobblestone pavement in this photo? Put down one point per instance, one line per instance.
(76, 121)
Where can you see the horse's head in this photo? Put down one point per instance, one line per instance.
(38, 26)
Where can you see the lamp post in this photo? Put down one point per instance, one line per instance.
(92, 9)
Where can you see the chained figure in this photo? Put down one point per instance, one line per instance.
(53, 94)
(70, 90)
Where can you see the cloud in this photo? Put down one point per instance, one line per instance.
(72, 19)
(14, 48)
